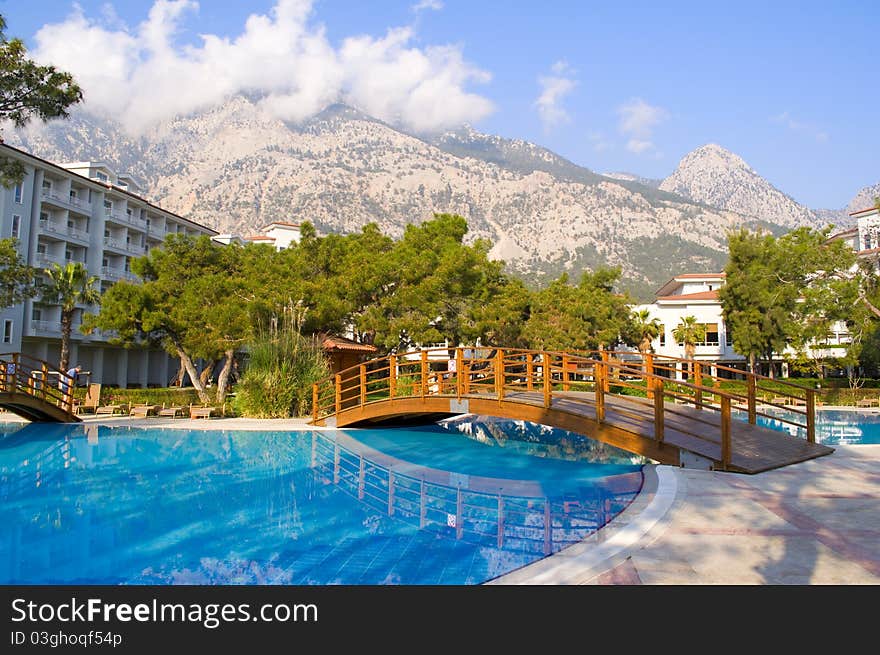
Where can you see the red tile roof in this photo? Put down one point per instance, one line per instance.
(700, 295)
(862, 211)
(330, 342)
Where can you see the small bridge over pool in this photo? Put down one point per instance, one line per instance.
(30, 388)
(674, 411)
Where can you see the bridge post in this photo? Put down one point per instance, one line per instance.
(725, 432)
(338, 385)
(466, 382)
(315, 402)
(752, 395)
(459, 372)
(424, 363)
(392, 376)
(649, 371)
(698, 382)
(499, 374)
(2, 376)
(599, 389)
(546, 375)
(363, 384)
(658, 410)
(45, 381)
(604, 355)
(16, 371)
(566, 386)
(811, 416)
(530, 371)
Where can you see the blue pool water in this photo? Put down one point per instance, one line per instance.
(833, 427)
(459, 504)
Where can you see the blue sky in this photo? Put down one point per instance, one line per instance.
(789, 86)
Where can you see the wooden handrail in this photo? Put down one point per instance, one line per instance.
(503, 371)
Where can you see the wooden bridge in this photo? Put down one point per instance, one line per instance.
(32, 389)
(634, 403)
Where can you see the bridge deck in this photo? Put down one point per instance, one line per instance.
(686, 428)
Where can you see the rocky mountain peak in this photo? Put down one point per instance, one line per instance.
(717, 177)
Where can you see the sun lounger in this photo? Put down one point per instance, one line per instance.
(202, 412)
(173, 411)
(109, 409)
(143, 410)
(91, 401)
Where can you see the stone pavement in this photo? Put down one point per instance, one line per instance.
(814, 523)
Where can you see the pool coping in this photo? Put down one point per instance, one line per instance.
(612, 544)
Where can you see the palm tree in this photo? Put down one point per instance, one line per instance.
(646, 329)
(69, 286)
(690, 333)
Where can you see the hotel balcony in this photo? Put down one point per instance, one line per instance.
(116, 274)
(66, 202)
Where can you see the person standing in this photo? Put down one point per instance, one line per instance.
(66, 384)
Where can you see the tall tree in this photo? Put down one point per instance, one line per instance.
(69, 285)
(585, 316)
(785, 291)
(644, 329)
(193, 301)
(689, 333)
(16, 277)
(28, 90)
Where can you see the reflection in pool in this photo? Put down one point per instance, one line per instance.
(90, 504)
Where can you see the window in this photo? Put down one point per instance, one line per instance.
(128, 212)
(108, 206)
(101, 176)
(710, 287)
(68, 254)
(16, 225)
(106, 233)
(17, 192)
(41, 248)
(662, 335)
(70, 223)
(728, 337)
(73, 194)
(105, 262)
(36, 314)
(711, 335)
(7, 331)
(44, 216)
(47, 185)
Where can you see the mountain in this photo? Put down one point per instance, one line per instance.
(719, 178)
(865, 198)
(630, 177)
(235, 168)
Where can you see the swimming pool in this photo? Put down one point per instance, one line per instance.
(833, 427)
(89, 504)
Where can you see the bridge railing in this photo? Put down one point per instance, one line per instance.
(21, 373)
(650, 381)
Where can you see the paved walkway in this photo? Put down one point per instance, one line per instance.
(815, 523)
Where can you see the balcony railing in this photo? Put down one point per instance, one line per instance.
(67, 201)
(115, 274)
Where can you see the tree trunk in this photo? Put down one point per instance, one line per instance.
(66, 327)
(178, 379)
(751, 362)
(205, 375)
(223, 376)
(187, 362)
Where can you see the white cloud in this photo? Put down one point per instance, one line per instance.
(637, 122)
(795, 125)
(598, 141)
(434, 5)
(554, 88)
(141, 76)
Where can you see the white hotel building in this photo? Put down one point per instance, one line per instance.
(83, 212)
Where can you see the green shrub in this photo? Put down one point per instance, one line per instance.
(278, 375)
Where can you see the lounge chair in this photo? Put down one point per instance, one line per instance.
(173, 411)
(196, 411)
(780, 400)
(92, 400)
(109, 409)
(143, 410)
